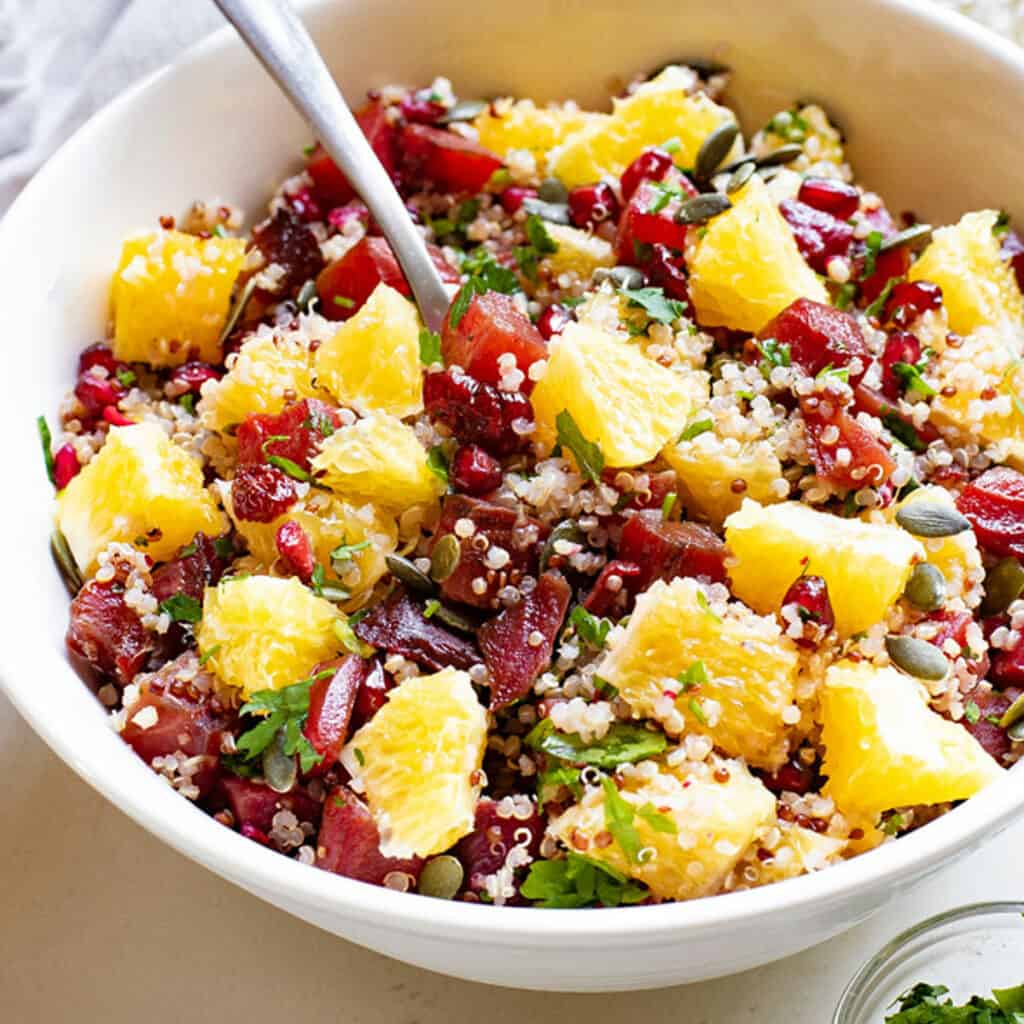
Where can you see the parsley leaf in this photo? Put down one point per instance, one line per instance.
(537, 233)
(924, 1004)
(430, 347)
(872, 244)
(182, 608)
(554, 777)
(696, 429)
(694, 676)
(830, 372)
(485, 275)
(656, 819)
(972, 712)
(774, 353)
(437, 463)
(591, 629)
(911, 375)
(46, 441)
(346, 636)
(878, 306)
(705, 606)
(579, 881)
(655, 303)
(589, 457)
(624, 743)
(902, 431)
(619, 815)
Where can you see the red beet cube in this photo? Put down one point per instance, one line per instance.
(665, 550)
(106, 632)
(992, 704)
(332, 700)
(649, 216)
(372, 696)
(994, 504)
(189, 573)
(893, 263)
(448, 160)
(254, 805)
(668, 272)
(819, 236)
(869, 463)
(616, 578)
(484, 851)
(589, 205)
(909, 299)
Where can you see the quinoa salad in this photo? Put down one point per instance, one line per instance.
(684, 560)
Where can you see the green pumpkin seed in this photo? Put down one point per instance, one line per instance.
(740, 177)
(1003, 585)
(66, 564)
(307, 293)
(926, 588)
(555, 213)
(621, 277)
(551, 190)
(464, 110)
(238, 309)
(714, 149)
(928, 519)
(567, 529)
(781, 156)
(455, 620)
(917, 658)
(702, 208)
(1013, 716)
(1016, 732)
(441, 877)
(914, 236)
(444, 559)
(279, 768)
(402, 569)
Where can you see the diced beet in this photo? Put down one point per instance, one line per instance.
(651, 165)
(305, 424)
(1012, 250)
(492, 326)
(419, 108)
(819, 336)
(344, 286)
(254, 804)
(874, 403)
(372, 696)
(870, 464)
(331, 187)
(99, 354)
(819, 236)
(295, 549)
(553, 320)
(475, 472)
(893, 263)
(665, 550)
(649, 220)
(991, 704)
(65, 466)
(589, 205)
(668, 272)
(994, 504)
(399, 626)
(285, 240)
(909, 299)
(514, 196)
(792, 777)
(115, 417)
(520, 536)
(616, 578)
(260, 493)
(810, 596)
(106, 632)
(479, 413)
(1007, 667)
(830, 196)
(513, 658)
(189, 573)
(349, 842)
(190, 377)
(900, 347)
(189, 718)
(96, 393)
(448, 160)
(484, 850)
(332, 699)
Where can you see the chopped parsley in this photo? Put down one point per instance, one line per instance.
(126, 378)
(789, 125)
(697, 711)
(872, 245)
(705, 606)
(696, 429)
(188, 403)
(208, 654)
(694, 676)
(182, 608)
(591, 629)
(924, 1004)
(46, 441)
(911, 375)
(669, 504)
(344, 301)
(588, 455)
(551, 780)
(430, 608)
(287, 466)
(346, 636)
(578, 881)
(655, 303)
(320, 422)
(972, 712)
(878, 306)
(656, 819)
(619, 816)
(845, 294)
(437, 463)
(485, 275)
(541, 244)
(624, 743)
(773, 353)
(831, 373)
(430, 347)
(894, 824)
(903, 432)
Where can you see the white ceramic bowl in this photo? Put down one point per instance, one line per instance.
(927, 100)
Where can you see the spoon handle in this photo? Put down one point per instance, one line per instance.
(279, 40)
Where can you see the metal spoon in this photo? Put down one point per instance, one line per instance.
(275, 35)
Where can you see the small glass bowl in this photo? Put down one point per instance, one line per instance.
(971, 950)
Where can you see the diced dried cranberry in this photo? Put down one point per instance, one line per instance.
(306, 208)
(616, 578)
(910, 299)
(106, 632)
(514, 196)
(819, 236)
(255, 804)
(474, 471)
(991, 705)
(190, 377)
(349, 842)
(668, 272)
(296, 549)
(893, 263)
(589, 205)
(418, 107)
(332, 699)
(260, 493)
(520, 536)
(870, 464)
(96, 393)
(446, 159)
(900, 347)
(553, 320)
(649, 219)
(190, 573)
(810, 595)
(355, 212)
(189, 718)
(994, 504)
(399, 626)
(344, 286)
(1012, 250)
(304, 425)
(792, 777)
(288, 242)
(518, 642)
(492, 326)
(478, 413)
(830, 196)
(665, 550)
(65, 466)
(484, 851)
(819, 336)
(651, 165)
(98, 354)
(372, 696)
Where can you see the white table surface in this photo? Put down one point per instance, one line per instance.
(99, 922)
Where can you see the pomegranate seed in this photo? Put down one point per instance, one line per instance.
(1012, 250)
(95, 393)
(793, 777)
(65, 466)
(296, 549)
(513, 198)
(651, 165)
(252, 832)
(810, 595)
(830, 196)
(909, 300)
(355, 212)
(98, 355)
(667, 272)
(420, 109)
(589, 205)
(900, 347)
(303, 203)
(554, 320)
(190, 377)
(474, 471)
(260, 492)
(819, 236)
(115, 417)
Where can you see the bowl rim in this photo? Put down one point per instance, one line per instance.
(162, 812)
